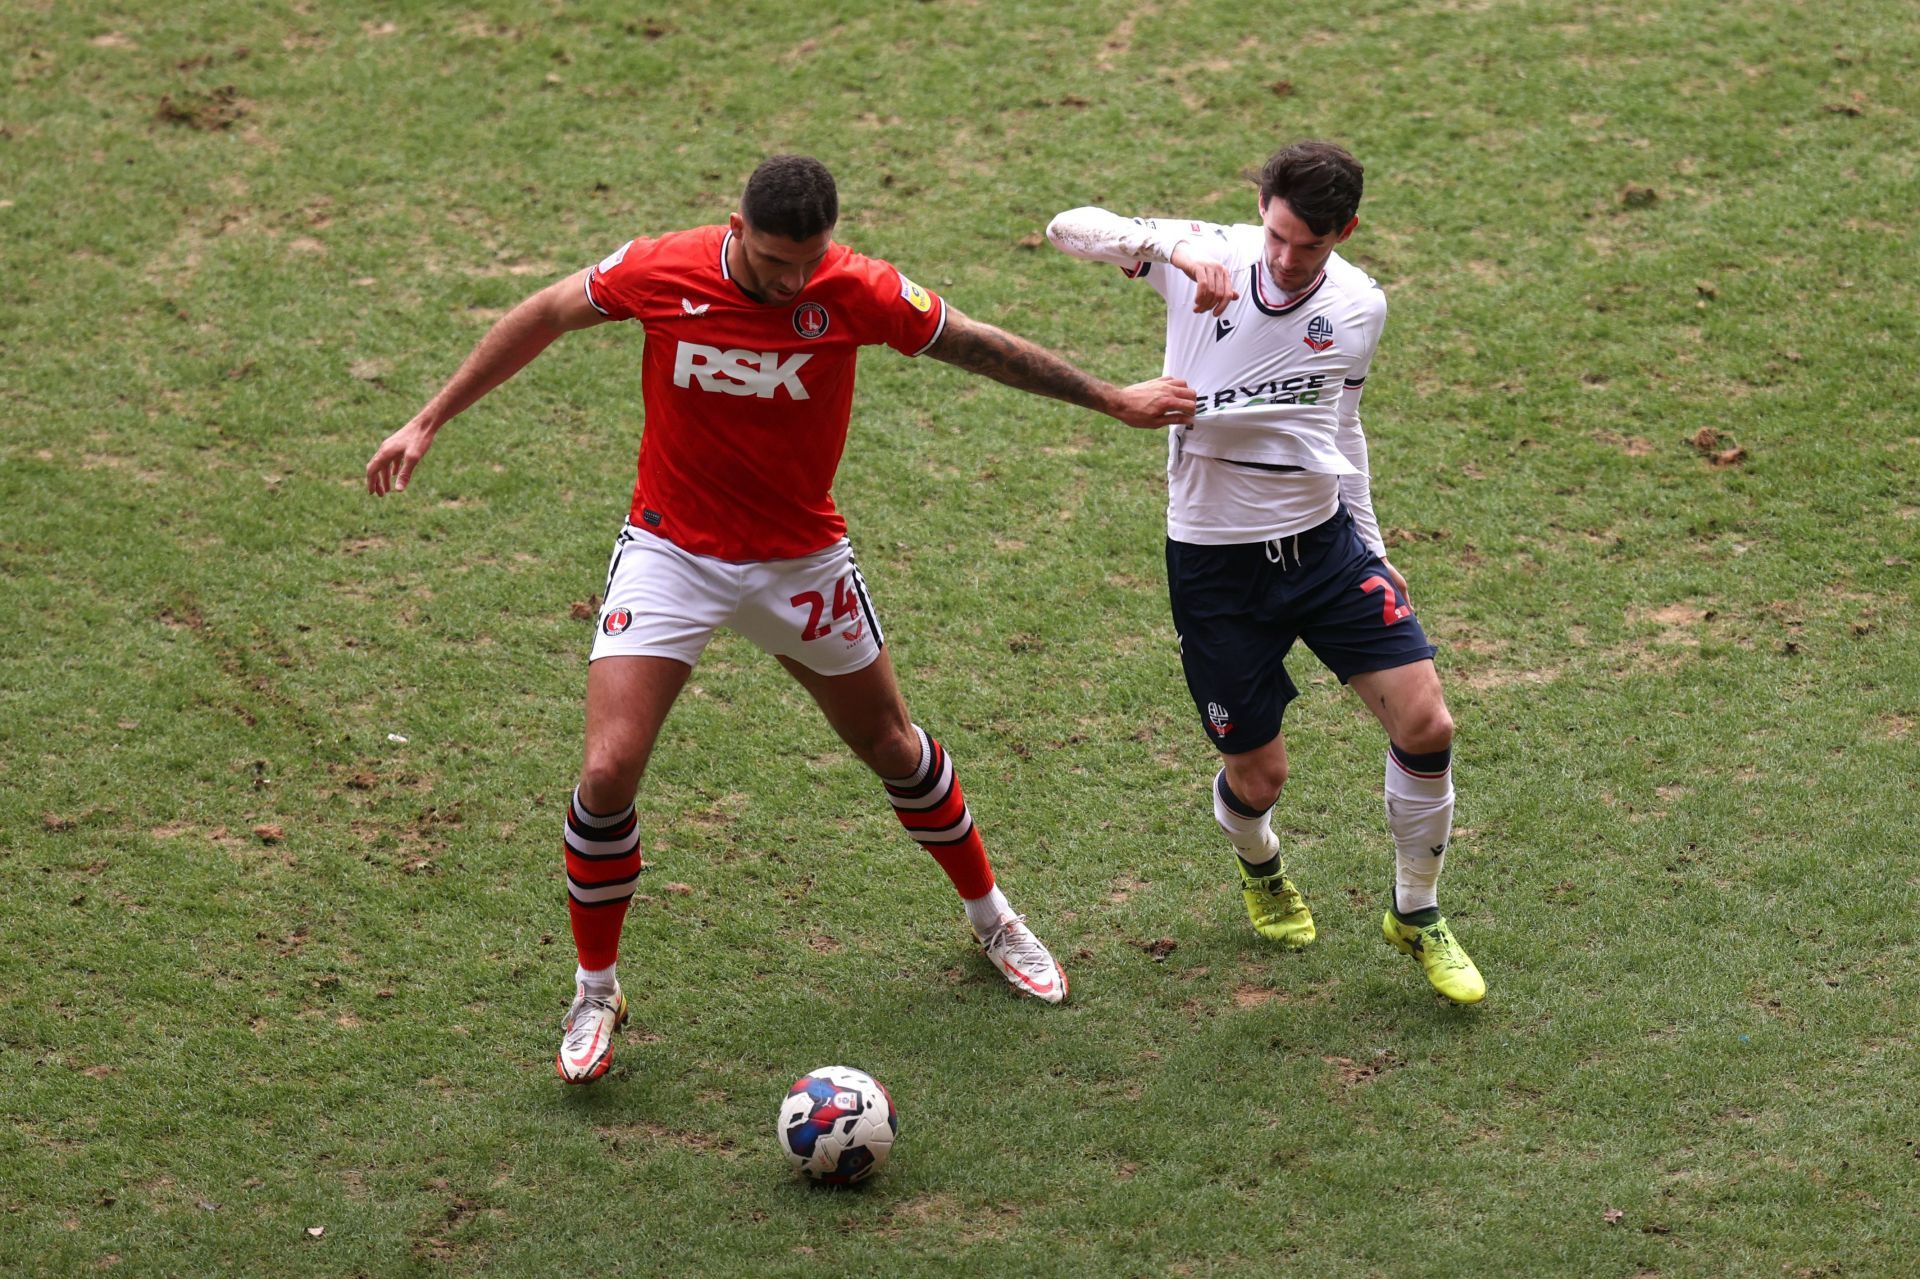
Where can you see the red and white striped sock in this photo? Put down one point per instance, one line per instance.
(603, 866)
(930, 804)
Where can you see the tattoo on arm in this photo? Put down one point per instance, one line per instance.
(995, 353)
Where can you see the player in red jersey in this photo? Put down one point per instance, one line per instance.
(747, 373)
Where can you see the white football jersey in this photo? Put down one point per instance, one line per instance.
(1278, 382)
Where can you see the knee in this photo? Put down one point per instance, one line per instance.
(891, 752)
(1427, 733)
(1257, 783)
(609, 779)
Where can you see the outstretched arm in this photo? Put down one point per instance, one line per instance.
(993, 352)
(1096, 235)
(509, 346)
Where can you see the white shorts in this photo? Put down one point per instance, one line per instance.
(662, 601)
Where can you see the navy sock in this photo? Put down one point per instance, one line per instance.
(1264, 869)
(1419, 918)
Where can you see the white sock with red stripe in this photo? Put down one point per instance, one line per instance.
(1420, 814)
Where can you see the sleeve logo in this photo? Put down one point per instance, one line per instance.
(614, 258)
(916, 296)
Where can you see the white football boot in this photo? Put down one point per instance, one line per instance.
(586, 1040)
(1027, 965)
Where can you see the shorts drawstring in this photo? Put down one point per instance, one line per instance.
(1277, 551)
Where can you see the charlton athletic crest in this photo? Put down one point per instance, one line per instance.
(1319, 333)
(810, 319)
(616, 620)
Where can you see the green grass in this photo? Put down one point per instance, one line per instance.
(244, 242)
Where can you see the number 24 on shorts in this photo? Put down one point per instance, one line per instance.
(845, 604)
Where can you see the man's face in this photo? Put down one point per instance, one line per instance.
(1295, 252)
(772, 268)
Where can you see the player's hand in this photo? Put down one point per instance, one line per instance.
(1165, 401)
(1399, 582)
(1212, 286)
(393, 462)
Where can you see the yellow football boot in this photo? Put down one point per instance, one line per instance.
(1445, 960)
(1278, 911)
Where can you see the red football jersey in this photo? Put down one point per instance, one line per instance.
(747, 403)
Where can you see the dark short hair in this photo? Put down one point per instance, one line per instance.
(1320, 182)
(791, 196)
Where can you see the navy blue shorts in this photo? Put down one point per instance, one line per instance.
(1238, 610)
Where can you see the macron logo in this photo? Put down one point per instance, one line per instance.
(737, 372)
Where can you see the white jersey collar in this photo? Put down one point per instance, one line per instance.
(1268, 297)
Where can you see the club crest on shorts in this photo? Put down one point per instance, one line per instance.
(1218, 717)
(810, 319)
(1319, 333)
(616, 620)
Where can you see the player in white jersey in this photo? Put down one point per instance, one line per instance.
(1271, 535)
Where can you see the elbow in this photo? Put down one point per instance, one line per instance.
(1069, 229)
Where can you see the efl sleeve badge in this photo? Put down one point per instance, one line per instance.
(916, 296)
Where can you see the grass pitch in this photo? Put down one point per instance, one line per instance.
(278, 989)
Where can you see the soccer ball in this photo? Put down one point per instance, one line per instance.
(837, 1125)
